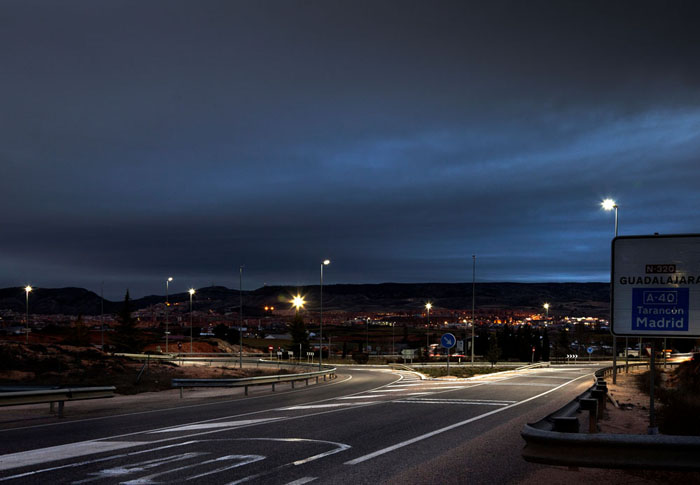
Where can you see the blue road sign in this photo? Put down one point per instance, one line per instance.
(448, 340)
(589, 350)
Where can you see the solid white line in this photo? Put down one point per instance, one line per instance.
(225, 424)
(189, 406)
(452, 426)
(332, 405)
(302, 481)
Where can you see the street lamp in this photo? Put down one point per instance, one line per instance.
(428, 306)
(167, 305)
(325, 262)
(546, 308)
(192, 292)
(298, 302)
(27, 289)
(608, 205)
(240, 317)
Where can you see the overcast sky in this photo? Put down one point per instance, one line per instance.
(145, 139)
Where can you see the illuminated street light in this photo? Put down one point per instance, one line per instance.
(167, 309)
(27, 289)
(608, 205)
(546, 307)
(325, 262)
(428, 306)
(298, 302)
(192, 292)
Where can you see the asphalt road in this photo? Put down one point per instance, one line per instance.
(366, 426)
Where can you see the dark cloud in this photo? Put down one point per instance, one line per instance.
(144, 139)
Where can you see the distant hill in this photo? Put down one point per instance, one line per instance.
(565, 298)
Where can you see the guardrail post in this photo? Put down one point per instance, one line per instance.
(60, 409)
(324, 377)
(307, 381)
(292, 384)
(246, 390)
(591, 405)
(273, 387)
(599, 395)
(316, 379)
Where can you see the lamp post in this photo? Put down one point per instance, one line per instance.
(608, 205)
(191, 292)
(102, 316)
(473, 300)
(240, 317)
(428, 306)
(325, 262)
(546, 309)
(167, 314)
(27, 290)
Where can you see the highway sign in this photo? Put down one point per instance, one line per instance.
(589, 350)
(448, 340)
(408, 353)
(656, 286)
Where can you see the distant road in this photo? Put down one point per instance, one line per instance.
(367, 426)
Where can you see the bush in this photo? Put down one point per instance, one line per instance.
(360, 357)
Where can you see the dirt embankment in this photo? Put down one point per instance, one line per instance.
(65, 365)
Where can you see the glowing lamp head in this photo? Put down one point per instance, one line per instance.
(170, 278)
(608, 204)
(191, 291)
(298, 302)
(326, 262)
(28, 288)
(546, 306)
(428, 306)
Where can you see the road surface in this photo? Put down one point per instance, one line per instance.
(366, 426)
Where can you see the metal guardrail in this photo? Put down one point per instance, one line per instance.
(555, 440)
(254, 381)
(52, 396)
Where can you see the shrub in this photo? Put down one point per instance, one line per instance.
(360, 357)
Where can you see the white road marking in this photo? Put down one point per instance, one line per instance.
(299, 389)
(389, 390)
(96, 460)
(450, 401)
(121, 471)
(225, 424)
(452, 426)
(302, 481)
(361, 397)
(523, 384)
(333, 405)
(62, 452)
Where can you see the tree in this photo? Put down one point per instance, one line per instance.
(79, 334)
(127, 337)
(493, 353)
(300, 336)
